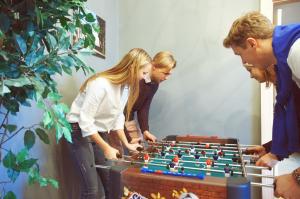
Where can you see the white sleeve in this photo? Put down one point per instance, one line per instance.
(119, 122)
(294, 59)
(94, 95)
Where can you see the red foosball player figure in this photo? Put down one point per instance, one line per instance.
(203, 153)
(208, 165)
(176, 160)
(146, 157)
(221, 153)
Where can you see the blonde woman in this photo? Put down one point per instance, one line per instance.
(98, 110)
(163, 64)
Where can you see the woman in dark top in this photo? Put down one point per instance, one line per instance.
(163, 64)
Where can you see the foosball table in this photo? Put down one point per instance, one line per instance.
(185, 167)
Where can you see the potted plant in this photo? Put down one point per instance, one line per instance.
(36, 43)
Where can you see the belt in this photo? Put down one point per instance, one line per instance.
(77, 131)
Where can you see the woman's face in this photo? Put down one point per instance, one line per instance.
(257, 73)
(145, 71)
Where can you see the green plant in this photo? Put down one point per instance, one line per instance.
(36, 43)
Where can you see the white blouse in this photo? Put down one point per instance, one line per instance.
(294, 61)
(100, 107)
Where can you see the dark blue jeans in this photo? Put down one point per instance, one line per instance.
(86, 154)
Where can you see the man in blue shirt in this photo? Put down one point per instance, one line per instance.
(259, 44)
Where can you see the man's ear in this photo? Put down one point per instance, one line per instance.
(251, 42)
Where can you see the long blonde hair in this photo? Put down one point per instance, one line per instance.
(125, 72)
(164, 59)
(252, 24)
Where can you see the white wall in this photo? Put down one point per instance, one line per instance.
(210, 93)
(53, 159)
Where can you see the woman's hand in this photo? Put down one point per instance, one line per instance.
(267, 160)
(111, 153)
(134, 147)
(256, 150)
(149, 136)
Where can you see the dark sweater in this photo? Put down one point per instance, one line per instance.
(142, 104)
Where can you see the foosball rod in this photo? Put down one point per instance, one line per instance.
(194, 145)
(226, 159)
(204, 149)
(202, 146)
(211, 143)
(216, 163)
(256, 184)
(245, 155)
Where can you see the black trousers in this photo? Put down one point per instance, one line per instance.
(94, 182)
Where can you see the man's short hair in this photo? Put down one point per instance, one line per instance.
(252, 24)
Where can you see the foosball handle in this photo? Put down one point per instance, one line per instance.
(139, 149)
(119, 155)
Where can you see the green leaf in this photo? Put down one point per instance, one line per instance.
(87, 28)
(1, 34)
(43, 182)
(59, 131)
(53, 96)
(10, 127)
(40, 20)
(53, 182)
(47, 119)
(41, 104)
(3, 66)
(13, 174)
(51, 40)
(42, 135)
(67, 61)
(21, 43)
(67, 70)
(11, 105)
(19, 82)
(90, 17)
(21, 156)
(33, 175)
(9, 161)
(67, 134)
(29, 139)
(30, 58)
(27, 164)
(64, 107)
(71, 27)
(4, 89)
(10, 195)
(60, 110)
